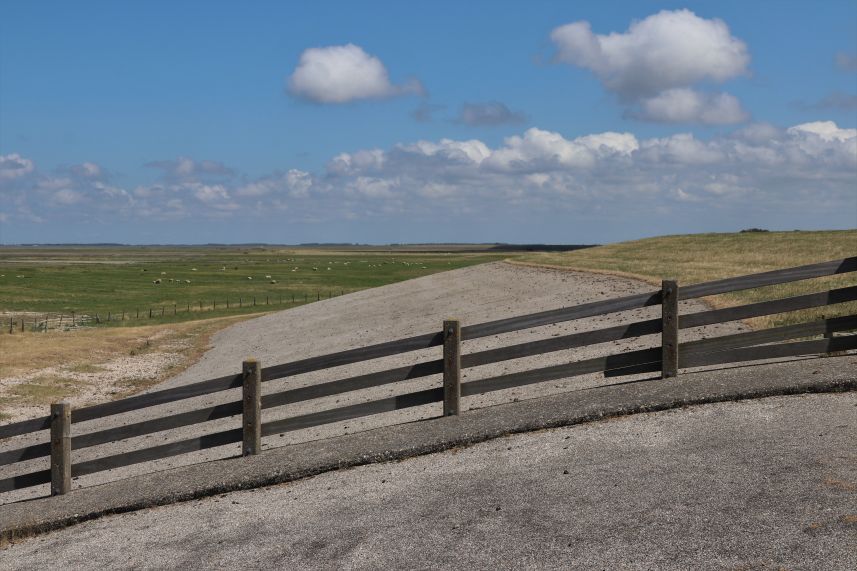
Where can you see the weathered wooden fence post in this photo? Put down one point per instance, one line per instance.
(252, 414)
(451, 367)
(669, 333)
(60, 448)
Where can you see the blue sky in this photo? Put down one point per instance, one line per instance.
(561, 122)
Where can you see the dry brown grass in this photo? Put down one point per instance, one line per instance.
(704, 257)
(85, 351)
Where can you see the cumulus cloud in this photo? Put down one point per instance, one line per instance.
(364, 160)
(825, 130)
(14, 166)
(183, 167)
(538, 151)
(664, 51)
(87, 170)
(683, 105)
(810, 167)
(656, 62)
(340, 74)
(488, 114)
(759, 162)
(67, 196)
(295, 183)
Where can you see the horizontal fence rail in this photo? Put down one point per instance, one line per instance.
(785, 341)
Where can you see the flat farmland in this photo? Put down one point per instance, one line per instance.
(201, 291)
(182, 283)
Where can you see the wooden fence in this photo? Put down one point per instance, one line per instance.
(42, 322)
(668, 358)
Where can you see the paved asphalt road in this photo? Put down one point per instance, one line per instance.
(762, 484)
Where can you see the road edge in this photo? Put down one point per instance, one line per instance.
(290, 463)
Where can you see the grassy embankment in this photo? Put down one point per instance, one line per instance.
(193, 281)
(704, 257)
(102, 280)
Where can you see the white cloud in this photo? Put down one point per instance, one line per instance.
(185, 168)
(683, 105)
(825, 130)
(368, 159)
(457, 152)
(87, 170)
(663, 51)
(758, 133)
(372, 187)
(610, 143)
(299, 182)
(657, 60)
(682, 148)
(14, 166)
(809, 167)
(209, 193)
(295, 182)
(539, 150)
(67, 196)
(339, 74)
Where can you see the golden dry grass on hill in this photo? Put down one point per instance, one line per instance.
(699, 258)
(82, 364)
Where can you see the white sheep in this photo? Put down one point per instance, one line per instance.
(157, 281)
(249, 277)
(187, 281)
(267, 277)
(273, 281)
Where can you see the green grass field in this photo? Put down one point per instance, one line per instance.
(704, 257)
(120, 279)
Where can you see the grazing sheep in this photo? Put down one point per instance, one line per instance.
(187, 281)
(273, 281)
(328, 269)
(314, 269)
(171, 280)
(249, 277)
(157, 281)
(193, 269)
(163, 273)
(267, 277)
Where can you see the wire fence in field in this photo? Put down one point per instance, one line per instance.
(30, 321)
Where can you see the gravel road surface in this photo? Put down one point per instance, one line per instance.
(762, 484)
(474, 295)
